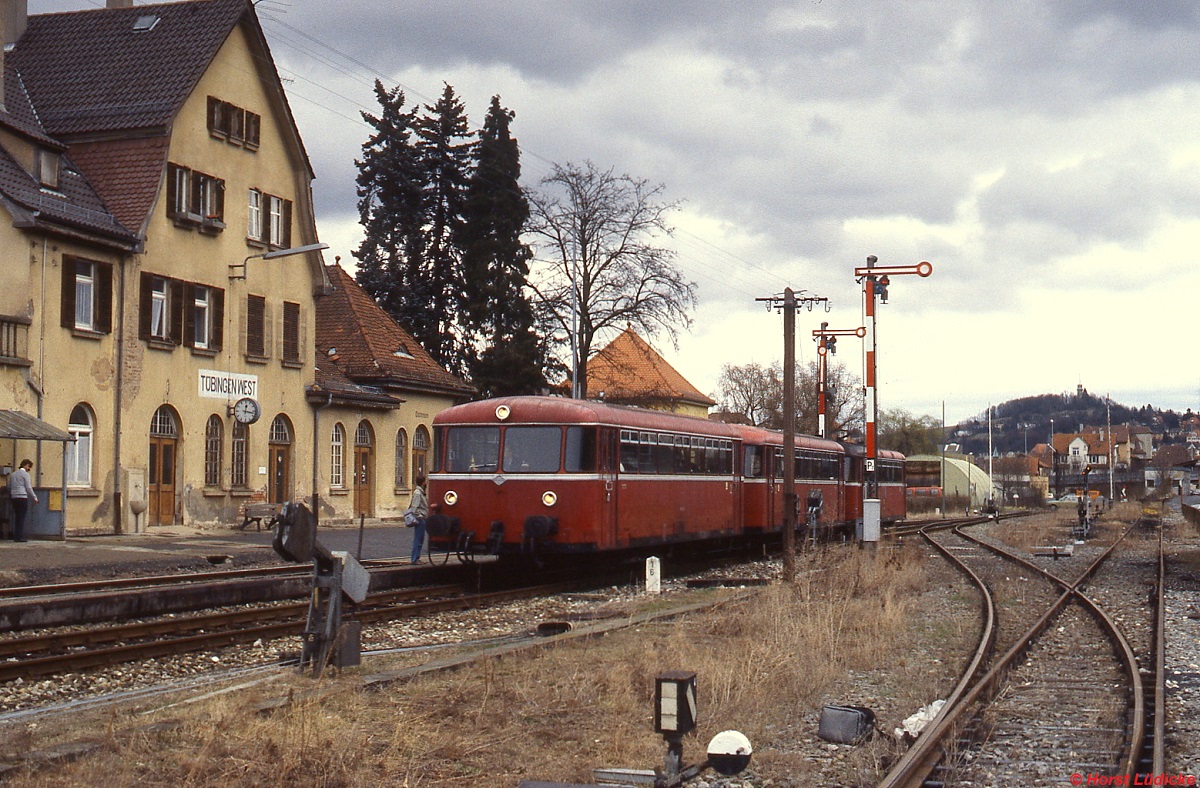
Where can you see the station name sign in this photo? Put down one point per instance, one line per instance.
(227, 385)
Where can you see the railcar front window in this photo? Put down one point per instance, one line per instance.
(472, 449)
(532, 449)
(581, 450)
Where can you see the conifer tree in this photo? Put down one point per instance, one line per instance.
(510, 356)
(391, 183)
(444, 142)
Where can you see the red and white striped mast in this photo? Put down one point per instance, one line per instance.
(875, 281)
(827, 345)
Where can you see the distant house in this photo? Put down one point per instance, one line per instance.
(376, 394)
(630, 372)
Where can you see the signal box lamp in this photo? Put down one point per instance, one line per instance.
(675, 702)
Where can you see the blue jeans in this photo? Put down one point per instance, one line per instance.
(418, 539)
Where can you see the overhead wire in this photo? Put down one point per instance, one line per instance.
(740, 278)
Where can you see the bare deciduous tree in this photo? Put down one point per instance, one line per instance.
(598, 267)
(756, 393)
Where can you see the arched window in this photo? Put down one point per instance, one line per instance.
(163, 424)
(401, 458)
(240, 455)
(214, 446)
(337, 456)
(79, 452)
(281, 431)
(362, 435)
(420, 451)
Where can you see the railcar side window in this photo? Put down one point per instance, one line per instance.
(581, 450)
(532, 449)
(754, 462)
(472, 449)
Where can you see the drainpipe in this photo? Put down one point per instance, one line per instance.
(316, 457)
(118, 402)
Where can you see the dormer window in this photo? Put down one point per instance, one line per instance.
(48, 166)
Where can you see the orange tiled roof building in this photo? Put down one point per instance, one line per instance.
(630, 372)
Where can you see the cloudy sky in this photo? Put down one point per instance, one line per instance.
(1045, 157)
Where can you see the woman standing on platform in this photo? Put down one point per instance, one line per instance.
(419, 508)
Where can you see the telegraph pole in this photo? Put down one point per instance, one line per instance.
(787, 302)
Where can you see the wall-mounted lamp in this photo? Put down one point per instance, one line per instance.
(271, 256)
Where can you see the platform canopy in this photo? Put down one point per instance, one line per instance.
(21, 426)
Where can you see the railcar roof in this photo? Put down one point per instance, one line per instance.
(775, 438)
(560, 410)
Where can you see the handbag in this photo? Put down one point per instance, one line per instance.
(410, 519)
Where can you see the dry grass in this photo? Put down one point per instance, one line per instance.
(763, 664)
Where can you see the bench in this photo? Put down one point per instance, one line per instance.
(256, 513)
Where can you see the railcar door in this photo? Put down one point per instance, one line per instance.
(608, 462)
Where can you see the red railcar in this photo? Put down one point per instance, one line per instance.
(540, 475)
(820, 485)
(546, 474)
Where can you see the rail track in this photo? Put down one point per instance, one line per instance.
(1067, 696)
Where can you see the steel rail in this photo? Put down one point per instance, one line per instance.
(925, 755)
(168, 647)
(913, 772)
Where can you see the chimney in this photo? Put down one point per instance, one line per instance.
(13, 15)
(16, 13)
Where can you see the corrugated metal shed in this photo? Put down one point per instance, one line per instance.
(22, 426)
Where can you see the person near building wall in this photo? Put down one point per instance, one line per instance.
(20, 490)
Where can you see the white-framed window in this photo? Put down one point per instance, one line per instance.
(214, 442)
(79, 451)
(275, 209)
(337, 456)
(85, 294)
(401, 458)
(254, 220)
(160, 301)
(240, 455)
(202, 315)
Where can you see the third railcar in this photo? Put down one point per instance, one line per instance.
(548, 475)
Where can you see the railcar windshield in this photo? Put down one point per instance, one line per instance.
(532, 449)
(472, 449)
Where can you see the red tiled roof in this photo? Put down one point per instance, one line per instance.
(369, 347)
(92, 71)
(126, 173)
(628, 369)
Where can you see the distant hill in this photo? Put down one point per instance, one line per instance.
(1020, 424)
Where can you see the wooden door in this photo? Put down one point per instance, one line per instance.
(280, 488)
(363, 495)
(160, 488)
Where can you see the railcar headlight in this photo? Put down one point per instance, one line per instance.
(450, 497)
(502, 412)
(549, 497)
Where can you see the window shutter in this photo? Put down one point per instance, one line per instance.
(172, 190)
(104, 275)
(220, 200)
(268, 331)
(217, 305)
(175, 289)
(189, 314)
(291, 331)
(286, 241)
(67, 318)
(255, 326)
(144, 306)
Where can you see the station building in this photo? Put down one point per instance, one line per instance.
(161, 272)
